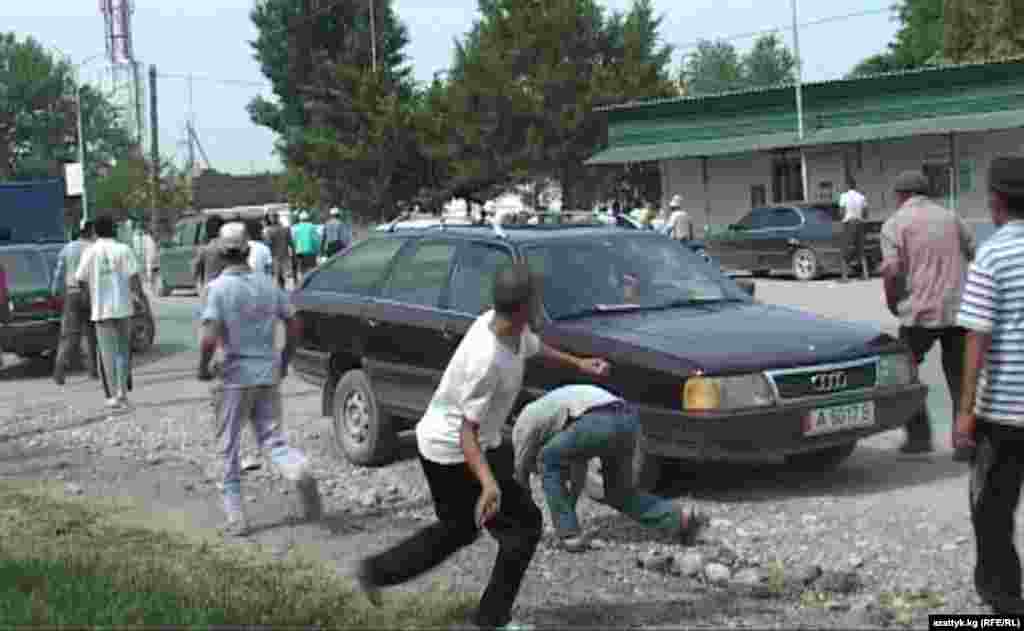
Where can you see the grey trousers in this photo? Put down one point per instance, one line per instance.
(115, 343)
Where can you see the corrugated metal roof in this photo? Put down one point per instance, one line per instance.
(988, 121)
(809, 84)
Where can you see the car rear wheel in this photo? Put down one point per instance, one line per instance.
(647, 470)
(823, 459)
(361, 432)
(805, 264)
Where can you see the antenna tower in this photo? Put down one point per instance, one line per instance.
(127, 88)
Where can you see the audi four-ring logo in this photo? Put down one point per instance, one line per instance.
(828, 381)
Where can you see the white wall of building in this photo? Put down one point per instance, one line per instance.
(873, 166)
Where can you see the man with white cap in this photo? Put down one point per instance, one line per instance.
(306, 245)
(241, 311)
(679, 226)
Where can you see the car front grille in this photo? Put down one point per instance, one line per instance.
(825, 380)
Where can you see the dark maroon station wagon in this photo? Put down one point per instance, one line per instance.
(715, 374)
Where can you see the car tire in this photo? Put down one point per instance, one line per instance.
(647, 469)
(143, 334)
(805, 264)
(822, 459)
(362, 433)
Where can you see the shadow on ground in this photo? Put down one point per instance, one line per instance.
(698, 605)
(870, 470)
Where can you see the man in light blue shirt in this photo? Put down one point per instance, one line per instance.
(568, 427)
(240, 314)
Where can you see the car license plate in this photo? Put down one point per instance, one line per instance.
(839, 418)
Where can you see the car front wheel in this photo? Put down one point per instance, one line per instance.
(362, 433)
(823, 459)
(805, 264)
(646, 472)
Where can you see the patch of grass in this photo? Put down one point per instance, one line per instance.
(777, 577)
(67, 561)
(901, 606)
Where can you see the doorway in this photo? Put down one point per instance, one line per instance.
(787, 178)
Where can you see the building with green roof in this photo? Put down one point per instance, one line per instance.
(728, 153)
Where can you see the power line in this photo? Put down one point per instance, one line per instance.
(238, 82)
(778, 29)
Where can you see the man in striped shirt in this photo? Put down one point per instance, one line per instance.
(991, 414)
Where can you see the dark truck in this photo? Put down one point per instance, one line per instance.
(806, 240)
(31, 221)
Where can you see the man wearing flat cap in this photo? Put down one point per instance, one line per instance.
(925, 252)
(991, 411)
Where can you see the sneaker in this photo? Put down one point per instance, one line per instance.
(309, 496)
(366, 584)
(693, 524)
(236, 525)
(113, 402)
(512, 625)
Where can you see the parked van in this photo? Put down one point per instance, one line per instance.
(190, 233)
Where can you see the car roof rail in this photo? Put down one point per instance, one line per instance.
(498, 230)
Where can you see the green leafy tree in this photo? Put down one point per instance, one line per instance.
(918, 43)
(979, 30)
(769, 63)
(336, 118)
(129, 186)
(38, 127)
(712, 68)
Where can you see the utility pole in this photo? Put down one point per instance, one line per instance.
(800, 101)
(154, 148)
(188, 130)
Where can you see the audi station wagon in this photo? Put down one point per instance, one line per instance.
(716, 374)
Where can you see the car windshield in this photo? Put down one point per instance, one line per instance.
(25, 272)
(624, 272)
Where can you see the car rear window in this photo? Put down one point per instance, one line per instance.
(25, 271)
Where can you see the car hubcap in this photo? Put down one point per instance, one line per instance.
(805, 264)
(356, 415)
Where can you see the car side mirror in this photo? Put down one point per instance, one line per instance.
(746, 285)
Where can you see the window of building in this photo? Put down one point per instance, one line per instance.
(787, 179)
(758, 195)
(360, 270)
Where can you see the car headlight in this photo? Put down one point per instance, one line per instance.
(727, 393)
(897, 369)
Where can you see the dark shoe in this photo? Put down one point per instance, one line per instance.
(58, 378)
(693, 524)
(917, 446)
(366, 584)
(1004, 605)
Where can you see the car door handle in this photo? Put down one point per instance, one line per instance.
(447, 333)
(372, 323)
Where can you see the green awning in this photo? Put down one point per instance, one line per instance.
(989, 121)
(985, 121)
(701, 148)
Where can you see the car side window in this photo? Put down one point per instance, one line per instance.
(473, 281)
(755, 219)
(419, 277)
(359, 270)
(783, 218)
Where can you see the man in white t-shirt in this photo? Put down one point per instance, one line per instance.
(679, 226)
(111, 272)
(471, 480)
(853, 204)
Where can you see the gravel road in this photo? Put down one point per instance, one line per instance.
(882, 541)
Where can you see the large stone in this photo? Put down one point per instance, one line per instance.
(749, 577)
(369, 499)
(717, 574)
(688, 563)
(839, 582)
(655, 561)
(808, 574)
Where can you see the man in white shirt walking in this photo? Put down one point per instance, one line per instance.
(679, 225)
(111, 272)
(470, 477)
(853, 204)
(568, 427)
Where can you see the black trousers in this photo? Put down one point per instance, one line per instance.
(75, 322)
(996, 475)
(853, 247)
(920, 340)
(333, 248)
(517, 527)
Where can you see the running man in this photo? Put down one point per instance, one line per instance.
(566, 428)
(242, 308)
(471, 480)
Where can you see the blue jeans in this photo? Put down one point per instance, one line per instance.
(612, 437)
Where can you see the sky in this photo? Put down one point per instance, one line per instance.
(210, 40)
